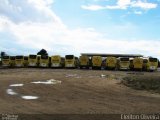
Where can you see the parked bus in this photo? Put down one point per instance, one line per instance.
(111, 63)
(137, 63)
(71, 61)
(63, 62)
(44, 61)
(150, 64)
(57, 61)
(32, 61)
(25, 62)
(0, 61)
(6, 61)
(131, 63)
(84, 62)
(38, 59)
(12, 61)
(123, 63)
(145, 61)
(19, 61)
(96, 62)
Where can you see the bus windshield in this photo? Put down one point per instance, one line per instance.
(69, 56)
(32, 56)
(145, 61)
(124, 59)
(44, 57)
(5, 57)
(56, 57)
(19, 57)
(25, 58)
(153, 59)
(12, 58)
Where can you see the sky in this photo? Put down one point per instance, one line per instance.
(80, 26)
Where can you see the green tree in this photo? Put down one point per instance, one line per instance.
(42, 52)
(3, 54)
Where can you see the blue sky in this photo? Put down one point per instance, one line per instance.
(141, 19)
(78, 26)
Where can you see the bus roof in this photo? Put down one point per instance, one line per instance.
(111, 55)
(20, 56)
(33, 54)
(55, 56)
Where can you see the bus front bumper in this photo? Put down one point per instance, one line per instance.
(32, 64)
(55, 65)
(19, 65)
(43, 65)
(5, 65)
(70, 65)
(152, 68)
(124, 68)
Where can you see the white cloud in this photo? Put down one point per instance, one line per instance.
(28, 10)
(143, 5)
(61, 40)
(54, 36)
(123, 4)
(93, 7)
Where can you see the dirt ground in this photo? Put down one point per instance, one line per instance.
(80, 92)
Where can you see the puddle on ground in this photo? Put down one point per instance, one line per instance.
(29, 97)
(11, 92)
(71, 75)
(97, 76)
(48, 82)
(16, 85)
(103, 76)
